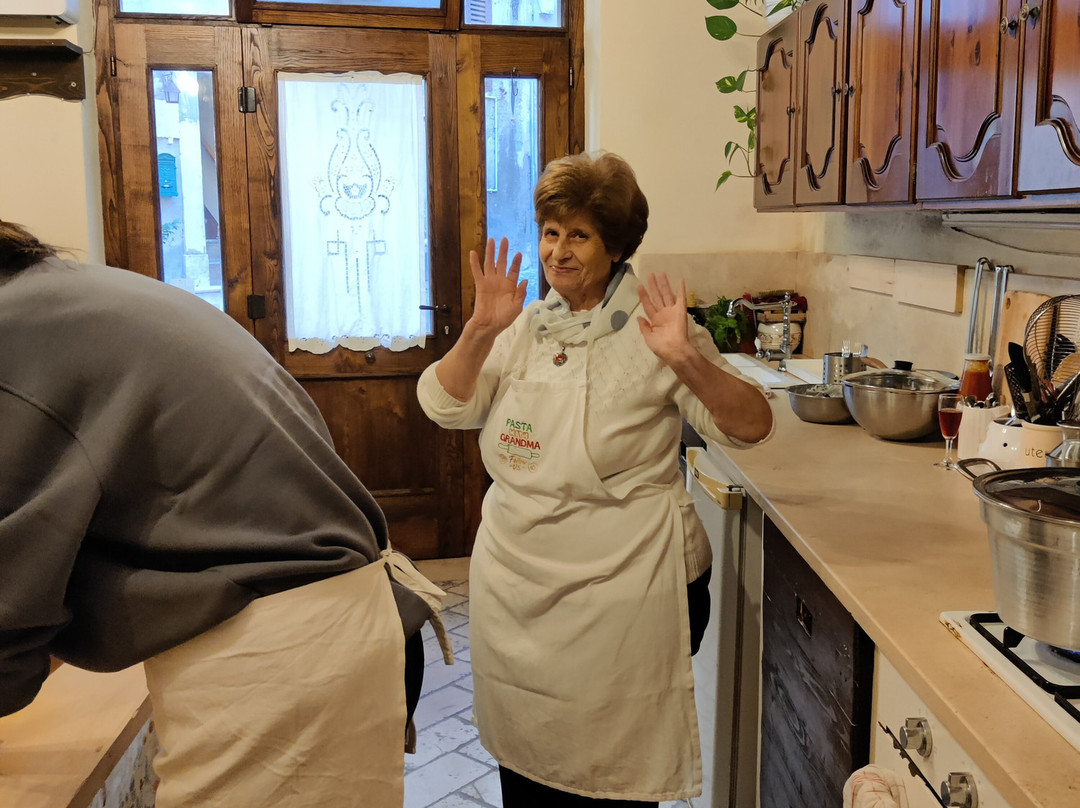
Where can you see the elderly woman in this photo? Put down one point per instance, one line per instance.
(580, 636)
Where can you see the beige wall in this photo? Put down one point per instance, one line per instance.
(49, 172)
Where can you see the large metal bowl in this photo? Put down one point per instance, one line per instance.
(819, 403)
(895, 404)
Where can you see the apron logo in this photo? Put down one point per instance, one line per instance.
(520, 449)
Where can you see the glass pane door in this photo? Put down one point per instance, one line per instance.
(184, 202)
(512, 167)
(187, 182)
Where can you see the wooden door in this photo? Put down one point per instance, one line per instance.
(144, 54)
(967, 98)
(544, 61)
(774, 185)
(881, 107)
(1050, 100)
(822, 57)
(368, 397)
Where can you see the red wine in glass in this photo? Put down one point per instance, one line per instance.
(949, 415)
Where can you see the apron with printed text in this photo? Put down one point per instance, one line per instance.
(578, 631)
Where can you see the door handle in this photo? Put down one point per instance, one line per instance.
(443, 309)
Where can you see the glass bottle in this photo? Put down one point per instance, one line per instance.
(975, 380)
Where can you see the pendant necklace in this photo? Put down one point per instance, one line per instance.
(560, 358)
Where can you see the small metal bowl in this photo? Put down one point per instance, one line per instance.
(819, 403)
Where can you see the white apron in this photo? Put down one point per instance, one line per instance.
(298, 701)
(578, 618)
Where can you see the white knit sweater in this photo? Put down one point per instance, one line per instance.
(634, 408)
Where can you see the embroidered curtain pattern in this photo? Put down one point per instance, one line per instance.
(355, 210)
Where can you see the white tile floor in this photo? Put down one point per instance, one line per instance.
(450, 769)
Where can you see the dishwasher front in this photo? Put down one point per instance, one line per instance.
(726, 680)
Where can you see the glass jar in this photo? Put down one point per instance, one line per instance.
(975, 380)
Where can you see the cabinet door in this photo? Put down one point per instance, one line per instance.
(967, 98)
(881, 107)
(816, 684)
(774, 185)
(822, 63)
(1050, 100)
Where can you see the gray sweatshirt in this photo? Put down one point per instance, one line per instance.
(158, 471)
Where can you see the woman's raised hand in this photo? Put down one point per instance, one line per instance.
(499, 296)
(665, 330)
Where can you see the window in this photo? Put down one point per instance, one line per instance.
(516, 13)
(187, 181)
(205, 8)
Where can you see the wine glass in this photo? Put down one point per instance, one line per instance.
(949, 413)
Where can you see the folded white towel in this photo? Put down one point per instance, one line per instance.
(874, 787)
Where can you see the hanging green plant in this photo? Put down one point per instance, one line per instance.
(723, 28)
(727, 330)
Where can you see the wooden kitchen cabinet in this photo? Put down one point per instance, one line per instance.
(774, 185)
(816, 684)
(967, 98)
(881, 104)
(801, 122)
(1049, 137)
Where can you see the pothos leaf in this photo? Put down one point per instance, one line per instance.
(723, 178)
(750, 141)
(723, 5)
(778, 7)
(722, 28)
(728, 84)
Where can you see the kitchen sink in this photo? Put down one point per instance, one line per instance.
(799, 371)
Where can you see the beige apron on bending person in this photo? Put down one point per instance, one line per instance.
(298, 701)
(578, 630)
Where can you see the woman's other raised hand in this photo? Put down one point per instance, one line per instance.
(665, 330)
(499, 295)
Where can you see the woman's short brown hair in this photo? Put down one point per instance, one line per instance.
(605, 188)
(19, 249)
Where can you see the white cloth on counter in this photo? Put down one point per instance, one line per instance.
(874, 787)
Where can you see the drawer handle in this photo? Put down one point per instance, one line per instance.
(804, 616)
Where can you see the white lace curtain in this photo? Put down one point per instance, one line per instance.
(355, 214)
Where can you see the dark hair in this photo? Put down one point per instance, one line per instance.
(605, 188)
(19, 249)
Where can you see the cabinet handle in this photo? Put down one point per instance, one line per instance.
(790, 111)
(837, 91)
(850, 90)
(1009, 25)
(1031, 12)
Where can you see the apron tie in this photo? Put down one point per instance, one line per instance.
(403, 571)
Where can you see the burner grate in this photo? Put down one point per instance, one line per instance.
(1009, 641)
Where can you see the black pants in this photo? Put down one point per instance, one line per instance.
(521, 792)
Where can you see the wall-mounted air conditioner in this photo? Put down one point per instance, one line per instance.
(61, 12)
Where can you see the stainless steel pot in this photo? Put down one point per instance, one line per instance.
(1033, 520)
(819, 403)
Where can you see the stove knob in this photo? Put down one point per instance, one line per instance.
(915, 736)
(959, 791)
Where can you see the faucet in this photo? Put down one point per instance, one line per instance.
(767, 354)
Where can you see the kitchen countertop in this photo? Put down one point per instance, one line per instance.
(899, 541)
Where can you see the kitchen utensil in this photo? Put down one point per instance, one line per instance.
(895, 404)
(1001, 280)
(1017, 393)
(1033, 521)
(1067, 453)
(1053, 333)
(1001, 445)
(819, 403)
(837, 364)
(973, 308)
(1015, 313)
(1036, 441)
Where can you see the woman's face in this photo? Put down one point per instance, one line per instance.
(577, 265)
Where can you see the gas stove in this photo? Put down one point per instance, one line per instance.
(1047, 678)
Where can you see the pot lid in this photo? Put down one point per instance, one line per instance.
(913, 381)
(1052, 494)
